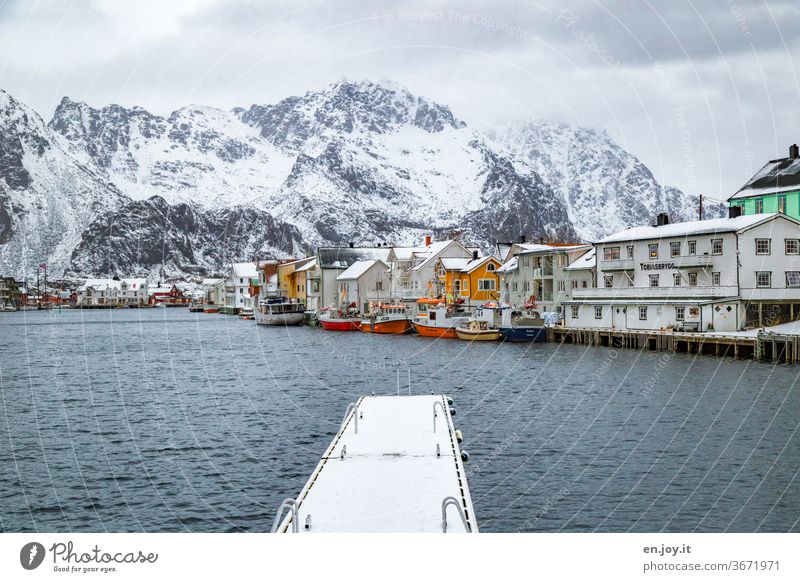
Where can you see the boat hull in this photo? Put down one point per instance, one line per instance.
(395, 326)
(524, 334)
(280, 318)
(483, 335)
(433, 331)
(340, 324)
(211, 310)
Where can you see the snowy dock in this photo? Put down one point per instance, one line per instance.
(394, 466)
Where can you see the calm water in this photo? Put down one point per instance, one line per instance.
(158, 420)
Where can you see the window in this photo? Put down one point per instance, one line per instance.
(378, 286)
(759, 206)
(584, 284)
(486, 284)
(792, 246)
(598, 312)
(692, 244)
(793, 278)
(676, 279)
(680, 312)
(574, 284)
(763, 279)
(562, 286)
(675, 249)
(692, 279)
(652, 251)
(643, 313)
(574, 312)
(782, 204)
(715, 279)
(610, 253)
(514, 287)
(608, 281)
(763, 246)
(716, 246)
(654, 280)
(490, 267)
(630, 251)
(629, 278)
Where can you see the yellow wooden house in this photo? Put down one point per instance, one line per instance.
(472, 280)
(291, 282)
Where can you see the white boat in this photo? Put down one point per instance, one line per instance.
(279, 311)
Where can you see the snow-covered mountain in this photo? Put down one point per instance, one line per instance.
(355, 162)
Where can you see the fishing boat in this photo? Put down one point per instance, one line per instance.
(8, 307)
(339, 319)
(391, 319)
(478, 330)
(439, 319)
(211, 308)
(196, 307)
(523, 326)
(482, 326)
(279, 311)
(246, 313)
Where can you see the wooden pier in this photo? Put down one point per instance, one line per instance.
(739, 347)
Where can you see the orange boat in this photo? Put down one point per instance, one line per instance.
(390, 319)
(437, 319)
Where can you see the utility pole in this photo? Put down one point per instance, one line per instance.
(701, 207)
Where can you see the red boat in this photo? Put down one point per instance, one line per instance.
(339, 320)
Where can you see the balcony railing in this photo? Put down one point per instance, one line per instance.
(692, 261)
(617, 265)
(682, 292)
(543, 272)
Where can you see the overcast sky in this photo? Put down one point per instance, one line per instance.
(703, 92)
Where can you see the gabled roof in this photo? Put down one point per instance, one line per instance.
(695, 227)
(101, 284)
(775, 176)
(406, 253)
(509, 266)
(358, 268)
(434, 249)
(480, 261)
(307, 266)
(583, 263)
(454, 264)
(244, 270)
(538, 249)
(343, 257)
(212, 282)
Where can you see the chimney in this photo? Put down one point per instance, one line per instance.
(734, 211)
(427, 240)
(541, 240)
(662, 219)
(351, 245)
(474, 255)
(522, 238)
(794, 152)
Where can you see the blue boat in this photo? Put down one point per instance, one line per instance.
(524, 328)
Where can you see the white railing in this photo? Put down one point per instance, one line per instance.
(616, 265)
(655, 292)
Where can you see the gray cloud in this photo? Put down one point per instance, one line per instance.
(702, 92)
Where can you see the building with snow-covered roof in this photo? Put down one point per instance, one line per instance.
(470, 280)
(537, 275)
(333, 261)
(237, 286)
(99, 292)
(774, 188)
(413, 269)
(723, 274)
(364, 282)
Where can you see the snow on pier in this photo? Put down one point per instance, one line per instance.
(387, 470)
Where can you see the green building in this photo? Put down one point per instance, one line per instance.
(774, 188)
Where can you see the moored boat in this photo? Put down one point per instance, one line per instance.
(438, 319)
(195, 307)
(520, 326)
(211, 308)
(280, 311)
(388, 319)
(246, 313)
(335, 319)
(477, 330)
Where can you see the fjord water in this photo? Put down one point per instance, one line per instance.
(164, 420)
